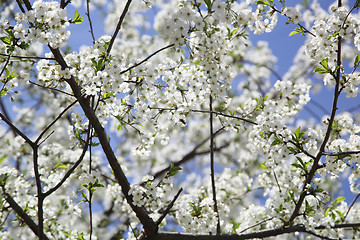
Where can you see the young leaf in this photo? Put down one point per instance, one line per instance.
(208, 4)
(263, 2)
(77, 18)
(357, 59)
(320, 70)
(324, 63)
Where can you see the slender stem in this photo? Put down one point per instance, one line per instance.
(90, 22)
(51, 88)
(54, 121)
(26, 57)
(39, 192)
(189, 155)
(352, 204)
(218, 229)
(147, 58)
(315, 165)
(121, 19)
(90, 212)
(71, 170)
(24, 216)
(167, 210)
(15, 129)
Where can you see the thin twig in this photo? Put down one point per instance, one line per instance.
(212, 168)
(54, 121)
(24, 216)
(351, 205)
(189, 155)
(121, 19)
(315, 165)
(71, 170)
(145, 59)
(90, 22)
(341, 153)
(166, 211)
(224, 115)
(26, 57)
(51, 88)
(15, 129)
(257, 224)
(207, 111)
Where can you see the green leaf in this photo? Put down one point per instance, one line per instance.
(3, 179)
(320, 70)
(77, 18)
(324, 63)
(294, 32)
(6, 40)
(208, 4)
(276, 141)
(357, 3)
(63, 166)
(263, 2)
(173, 170)
(339, 199)
(357, 59)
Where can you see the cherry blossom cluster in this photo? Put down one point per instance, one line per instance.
(323, 45)
(47, 23)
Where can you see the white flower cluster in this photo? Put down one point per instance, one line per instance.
(47, 24)
(195, 214)
(324, 44)
(263, 23)
(154, 195)
(293, 14)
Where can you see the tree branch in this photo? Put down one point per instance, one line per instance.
(27, 219)
(148, 224)
(145, 59)
(189, 155)
(212, 170)
(315, 165)
(121, 19)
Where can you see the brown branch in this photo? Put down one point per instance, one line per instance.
(259, 234)
(225, 115)
(27, 219)
(207, 111)
(90, 22)
(54, 121)
(341, 153)
(27, 4)
(305, 30)
(20, 6)
(315, 166)
(149, 225)
(121, 19)
(212, 169)
(71, 170)
(351, 205)
(15, 129)
(166, 211)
